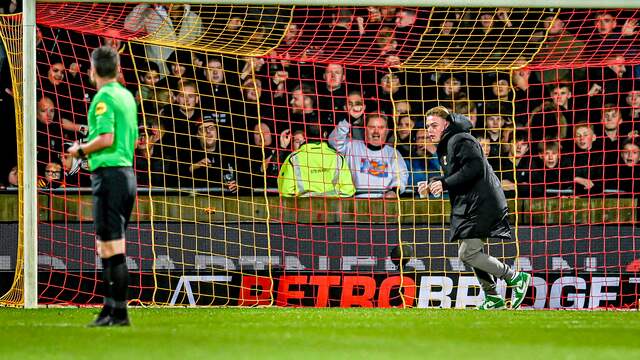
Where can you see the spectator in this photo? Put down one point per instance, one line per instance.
(468, 108)
(495, 121)
(608, 84)
(613, 133)
(292, 141)
(499, 90)
(528, 94)
(178, 119)
(12, 178)
(403, 107)
(632, 101)
(11, 7)
(9, 147)
(402, 137)
(251, 94)
(55, 87)
(551, 175)
(587, 161)
(254, 67)
(450, 87)
(560, 46)
(154, 91)
(150, 164)
(332, 94)
(609, 35)
(343, 30)
(563, 100)
(521, 164)
(410, 24)
(219, 98)
(127, 76)
(158, 22)
(547, 122)
(186, 22)
(50, 135)
(355, 109)
(389, 91)
(210, 166)
(315, 169)
(264, 158)
(279, 80)
(377, 169)
(148, 77)
(629, 170)
(52, 178)
(65, 101)
(180, 68)
(303, 108)
(423, 162)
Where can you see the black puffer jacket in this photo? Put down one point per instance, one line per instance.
(478, 205)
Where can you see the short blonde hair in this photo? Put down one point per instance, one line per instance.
(439, 111)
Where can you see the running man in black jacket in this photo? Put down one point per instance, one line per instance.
(478, 205)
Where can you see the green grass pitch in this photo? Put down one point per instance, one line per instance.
(287, 333)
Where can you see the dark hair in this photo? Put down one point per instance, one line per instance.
(307, 91)
(630, 141)
(313, 132)
(494, 109)
(149, 66)
(522, 135)
(180, 57)
(213, 57)
(611, 107)
(105, 61)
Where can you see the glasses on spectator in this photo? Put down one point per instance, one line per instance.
(206, 128)
(52, 173)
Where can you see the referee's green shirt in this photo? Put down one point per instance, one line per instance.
(113, 110)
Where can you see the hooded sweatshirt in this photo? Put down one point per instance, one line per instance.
(478, 204)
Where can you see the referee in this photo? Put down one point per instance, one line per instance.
(113, 130)
(478, 206)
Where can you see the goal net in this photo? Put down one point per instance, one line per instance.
(250, 191)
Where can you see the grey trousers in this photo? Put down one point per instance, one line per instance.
(486, 267)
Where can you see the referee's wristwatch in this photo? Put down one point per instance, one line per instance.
(81, 152)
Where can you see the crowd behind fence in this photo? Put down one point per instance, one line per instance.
(209, 121)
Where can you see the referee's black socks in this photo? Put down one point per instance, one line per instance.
(115, 275)
(109, 303)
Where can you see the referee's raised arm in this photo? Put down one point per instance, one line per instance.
(113, 131)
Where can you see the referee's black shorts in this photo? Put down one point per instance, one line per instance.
(114, 194)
